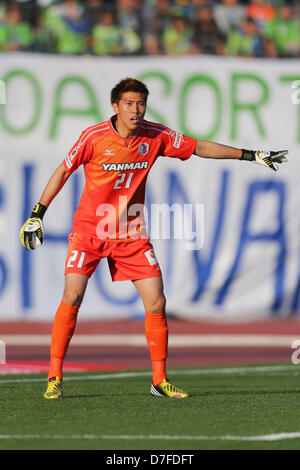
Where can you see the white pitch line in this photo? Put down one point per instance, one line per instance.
(178, 341)
(264, 437)
(126, 375)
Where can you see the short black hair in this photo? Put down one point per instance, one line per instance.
(125, 85)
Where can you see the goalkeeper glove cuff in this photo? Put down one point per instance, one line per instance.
(38, 211)
(248, 155)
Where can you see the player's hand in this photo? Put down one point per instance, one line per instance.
(266, 158)
(32, 232)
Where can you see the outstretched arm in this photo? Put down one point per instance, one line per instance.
(207, 149)
(33, 231)
(269, 159)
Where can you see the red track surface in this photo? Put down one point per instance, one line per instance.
(138, 357)
(276, 327)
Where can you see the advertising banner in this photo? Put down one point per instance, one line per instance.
(225, 232)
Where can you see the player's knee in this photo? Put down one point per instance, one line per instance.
(72, 297)
(157, 304)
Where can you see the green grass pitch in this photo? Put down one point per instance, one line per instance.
(115, 411)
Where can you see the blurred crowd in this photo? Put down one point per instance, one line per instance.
(251, 28)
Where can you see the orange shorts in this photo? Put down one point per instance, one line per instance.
(126, 260)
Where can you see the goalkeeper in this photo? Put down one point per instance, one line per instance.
(117, 156)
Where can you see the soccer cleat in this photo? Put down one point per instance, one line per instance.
(54, 388)
(166, 389)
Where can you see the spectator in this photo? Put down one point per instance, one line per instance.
(131, 25)
(284, 30)
(44, 38)
(2, 12)
(27, 9)
(184, 8)
(94, 7)
(162, 12)
(228, 15)
(106, 38)
(151, 37)
(206, 33)
(73, 15)
(261, 12)
(176, 38)
(245, 41)
(67, 23)
(151, 44)
(15, 34)
(269, 49)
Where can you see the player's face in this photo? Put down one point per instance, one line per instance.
(130, 111)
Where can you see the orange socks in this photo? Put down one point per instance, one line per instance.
(62, 332)
(156, 330)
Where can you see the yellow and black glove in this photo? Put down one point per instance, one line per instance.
(266, 158)
(32, 232)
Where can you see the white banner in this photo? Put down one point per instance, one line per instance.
(249, 265)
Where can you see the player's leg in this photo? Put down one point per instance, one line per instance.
(156, 330)
(136, 261)
(151, 291)
(65, 320)
(63, 329)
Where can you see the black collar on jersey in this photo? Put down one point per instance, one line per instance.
(113, 123)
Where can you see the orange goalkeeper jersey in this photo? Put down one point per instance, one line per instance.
(116, 170)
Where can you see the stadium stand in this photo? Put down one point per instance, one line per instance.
(250, 28)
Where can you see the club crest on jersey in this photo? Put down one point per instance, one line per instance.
(143, 148)
(150, 255)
